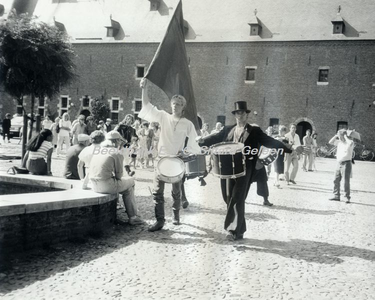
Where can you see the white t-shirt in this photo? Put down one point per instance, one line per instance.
(47, 124)
(87, 153)
(173, 131)
(294, 141)
(64, 132)
(344, 150)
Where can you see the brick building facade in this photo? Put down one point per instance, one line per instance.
(323, 82)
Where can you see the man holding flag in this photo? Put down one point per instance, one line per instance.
(175, 128)
(169, 70)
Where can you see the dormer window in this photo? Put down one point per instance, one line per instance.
(255, 27)
(154, 5)
(338, 23)
(113, 28)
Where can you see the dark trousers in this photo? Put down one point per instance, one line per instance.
(260, 176)
(158, 194)
(238, 190)
(6, 132)
(343, 170)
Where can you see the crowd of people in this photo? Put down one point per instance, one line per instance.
(101, 155)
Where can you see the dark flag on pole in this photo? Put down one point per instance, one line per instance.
(169, 69)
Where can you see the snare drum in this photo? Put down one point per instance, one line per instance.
(170, 169)
(196, 167)
(266, 157)
(228, 160)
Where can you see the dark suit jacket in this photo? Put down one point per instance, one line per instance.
(253, 137)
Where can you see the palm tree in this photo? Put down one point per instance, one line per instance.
(36, 60)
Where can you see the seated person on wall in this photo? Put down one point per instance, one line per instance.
(97, 137)
(71, 160)
(107, 174)
(39, 152)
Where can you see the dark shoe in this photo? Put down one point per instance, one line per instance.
(185, 204)
(232, 236)
(292, 181)
(176, 217)
(311, 170)
(347, 200)
(334, 199)
(158, 225)
(267, 203)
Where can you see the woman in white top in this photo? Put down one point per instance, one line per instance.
(65, 127)
(39, 153)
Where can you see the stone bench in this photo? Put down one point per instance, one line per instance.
(45, 210)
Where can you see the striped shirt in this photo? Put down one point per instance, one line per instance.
(42, 151)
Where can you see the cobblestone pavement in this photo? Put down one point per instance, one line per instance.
(304, 247)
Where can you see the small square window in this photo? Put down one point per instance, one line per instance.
(221, 119)
(140, 71)
(323, 75)
(138, 105)
(63, 111)
(115, 104)
(19, 110)
(250, 74)
(41, 111)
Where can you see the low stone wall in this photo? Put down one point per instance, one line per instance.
(42, 229)
(63, 212)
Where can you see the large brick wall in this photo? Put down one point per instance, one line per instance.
(285, 81)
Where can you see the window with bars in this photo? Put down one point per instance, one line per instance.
(64, 102)
(41, 111)
(138, 106)
(115, 104)
(140, 72)
(323, 75)
(114, 117)
(85, 101)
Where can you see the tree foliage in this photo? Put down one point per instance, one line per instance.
(99, 110)
(35, 58)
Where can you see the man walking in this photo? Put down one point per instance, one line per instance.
(292, 158)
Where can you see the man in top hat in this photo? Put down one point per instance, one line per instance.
(235, 190)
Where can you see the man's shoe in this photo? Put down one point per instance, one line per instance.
(267, 203)
(176, 217)
(292, 181)
(185, 204)
(347, 200)
(136, 221)
(334, 199)
(158, 225)
(232, 236)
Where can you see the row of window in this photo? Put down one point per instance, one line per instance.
(250, 74)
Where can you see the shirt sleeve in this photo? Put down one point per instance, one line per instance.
(150, 113)
(119, 166)
(192, 146)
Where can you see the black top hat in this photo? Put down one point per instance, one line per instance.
(240, 105)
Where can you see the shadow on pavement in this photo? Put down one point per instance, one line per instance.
(310, 251)
(301, 210)
(197, 209)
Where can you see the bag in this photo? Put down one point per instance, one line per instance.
(16, 170)
(57, 128)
